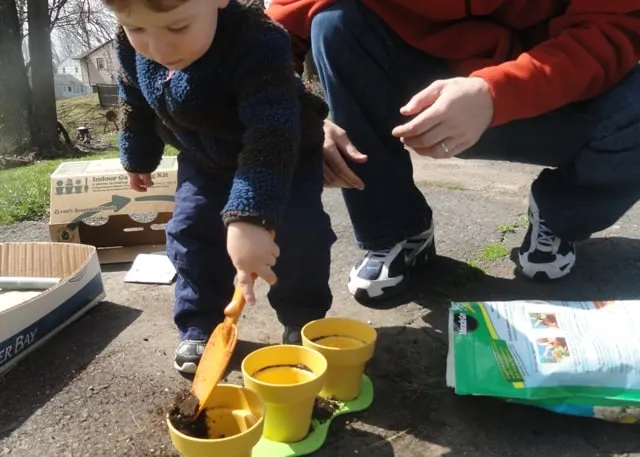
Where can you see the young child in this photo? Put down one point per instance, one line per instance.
(215, 78)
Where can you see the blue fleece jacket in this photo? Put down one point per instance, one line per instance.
(238, 107)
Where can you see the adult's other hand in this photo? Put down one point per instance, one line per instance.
(338, 152)
(450, 116)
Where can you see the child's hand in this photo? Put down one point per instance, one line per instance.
(252, 250)
(140, 181)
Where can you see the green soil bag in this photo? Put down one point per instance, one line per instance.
(577, 358)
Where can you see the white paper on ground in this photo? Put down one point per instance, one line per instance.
(151, 269)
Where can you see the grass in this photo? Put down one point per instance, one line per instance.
(507, 228)
(449, 186)
(492, 252)
(496, 251)
(475, 265)
(523, 222)
(24, 191)
(83, 111)
(488, 254)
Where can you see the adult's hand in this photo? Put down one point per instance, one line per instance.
(338, 152)
(450, 116)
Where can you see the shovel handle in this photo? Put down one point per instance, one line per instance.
(235, 307)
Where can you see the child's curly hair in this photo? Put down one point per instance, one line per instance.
(160, 6)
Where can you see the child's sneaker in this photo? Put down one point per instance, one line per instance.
(188, 355)
(292, 335)
(189, 352)
(383, 273)
(543, 255)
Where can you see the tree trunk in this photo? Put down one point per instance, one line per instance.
(15, 106)
(45, 135)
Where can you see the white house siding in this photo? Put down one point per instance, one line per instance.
(66, 86)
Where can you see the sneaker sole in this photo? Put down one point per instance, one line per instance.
(358, 286)
(539, 275)
(362, 296)
(188, 367)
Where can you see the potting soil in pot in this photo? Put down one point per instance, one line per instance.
(182, 413)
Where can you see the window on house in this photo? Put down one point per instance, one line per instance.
(64, 70)
(77, 70)
(100, 63)
(68, 88)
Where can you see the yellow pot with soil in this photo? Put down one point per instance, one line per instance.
(348, 345)
(230, 425)
(288, 378)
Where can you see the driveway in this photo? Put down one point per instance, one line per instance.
(100, 387)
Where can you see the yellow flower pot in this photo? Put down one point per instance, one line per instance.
(235, 419)
(347, 345)
(288, 378)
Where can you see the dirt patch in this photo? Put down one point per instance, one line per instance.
(182, 416)
(323, 409)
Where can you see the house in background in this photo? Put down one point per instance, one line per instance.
(98, 66)
(68, 86)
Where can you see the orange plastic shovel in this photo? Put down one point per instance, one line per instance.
(218, 351)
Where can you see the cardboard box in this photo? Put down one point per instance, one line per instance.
(29, 318)
(91, 203)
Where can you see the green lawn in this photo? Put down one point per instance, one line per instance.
(24, 191)
(83, 111)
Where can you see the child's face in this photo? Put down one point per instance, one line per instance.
(176, 38)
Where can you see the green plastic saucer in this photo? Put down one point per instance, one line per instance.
(320, 430)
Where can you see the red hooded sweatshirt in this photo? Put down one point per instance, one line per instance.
(536, 55)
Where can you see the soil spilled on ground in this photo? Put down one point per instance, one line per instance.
(182, 415)
(323, 409)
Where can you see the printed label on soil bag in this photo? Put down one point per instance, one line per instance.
(542, 350)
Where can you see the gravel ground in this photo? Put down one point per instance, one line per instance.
(100, 387)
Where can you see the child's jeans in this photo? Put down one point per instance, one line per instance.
(197, 246)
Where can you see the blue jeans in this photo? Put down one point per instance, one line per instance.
(368, 73)
(197, 246)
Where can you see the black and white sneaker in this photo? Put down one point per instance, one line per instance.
(188, 355)
(544, 256)
(382, 274)
(292, 335)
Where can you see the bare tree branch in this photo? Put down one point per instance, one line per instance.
(77, 25)
(83, 25)
(56, 9)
